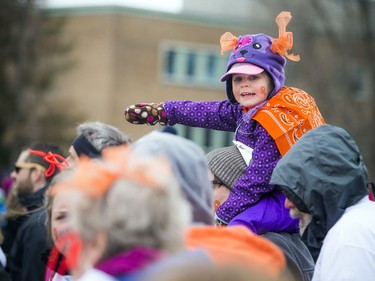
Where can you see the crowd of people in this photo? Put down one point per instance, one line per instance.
(290, 200)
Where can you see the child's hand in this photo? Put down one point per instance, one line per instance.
(146, 113)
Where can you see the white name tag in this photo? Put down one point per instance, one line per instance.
(246, 151)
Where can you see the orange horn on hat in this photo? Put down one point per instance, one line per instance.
(284, 43)
(227, 41)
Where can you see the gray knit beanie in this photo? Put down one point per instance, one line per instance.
(227, 164)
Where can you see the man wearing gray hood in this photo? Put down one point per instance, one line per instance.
(325, 181)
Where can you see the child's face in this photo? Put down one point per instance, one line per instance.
(60, 216)
(251, 90)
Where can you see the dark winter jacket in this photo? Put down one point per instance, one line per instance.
(9, 230)
(25, 260)
(12, 224)
(4, 276)
(323, 174)
(300, 264)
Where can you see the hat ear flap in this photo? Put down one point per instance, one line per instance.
(229, 89)
(227, 42)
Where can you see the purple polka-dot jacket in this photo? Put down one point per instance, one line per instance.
(225, 116)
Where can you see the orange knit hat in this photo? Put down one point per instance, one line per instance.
(237, 245)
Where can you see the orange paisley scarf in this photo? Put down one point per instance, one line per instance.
(288, 116)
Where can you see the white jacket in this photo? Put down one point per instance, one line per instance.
(348, 251)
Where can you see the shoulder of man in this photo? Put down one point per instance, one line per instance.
(299, 259)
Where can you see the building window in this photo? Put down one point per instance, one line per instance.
(211, 66)
(170, 58)
(205, 138)
(192, 64)
(190, 71)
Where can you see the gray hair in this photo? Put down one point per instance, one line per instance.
(102, 135)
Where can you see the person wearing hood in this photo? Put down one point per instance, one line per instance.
(227, 165)
(189, 165)
(266, 116)
(325, 180)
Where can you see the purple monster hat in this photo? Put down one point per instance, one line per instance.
(262, 51)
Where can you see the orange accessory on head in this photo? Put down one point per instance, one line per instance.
(262, 51)
(54, 160)
(94, 177)
(228, 42)
(284, 43)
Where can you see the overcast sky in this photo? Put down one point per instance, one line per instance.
(173, 6)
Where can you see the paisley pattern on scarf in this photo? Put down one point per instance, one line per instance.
(288, 116)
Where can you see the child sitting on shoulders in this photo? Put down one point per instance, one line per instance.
(266, 116)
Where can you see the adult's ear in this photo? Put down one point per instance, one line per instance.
(37, 178)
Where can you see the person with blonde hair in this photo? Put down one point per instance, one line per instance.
(58, 222)
(127, 213)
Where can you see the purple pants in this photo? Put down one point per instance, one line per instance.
(269, 214)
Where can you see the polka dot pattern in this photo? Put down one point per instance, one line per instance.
(225, 116)
(146, 113)
(250, 187)
(220, 115)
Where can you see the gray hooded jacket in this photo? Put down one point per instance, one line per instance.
(189, 165)
(323, 174)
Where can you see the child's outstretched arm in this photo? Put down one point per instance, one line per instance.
(217, 115)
